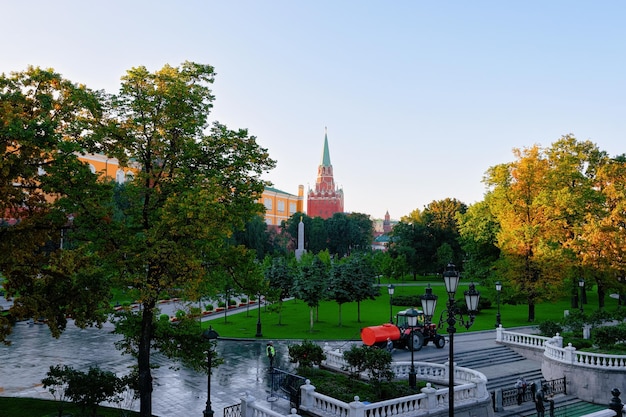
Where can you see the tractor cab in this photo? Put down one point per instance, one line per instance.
(403, 319)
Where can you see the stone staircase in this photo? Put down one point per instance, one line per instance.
(503, 366)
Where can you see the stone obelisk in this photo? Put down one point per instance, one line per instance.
(300, 249)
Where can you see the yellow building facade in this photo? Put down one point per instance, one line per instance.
(280, 205)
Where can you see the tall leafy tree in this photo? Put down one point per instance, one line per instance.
(192, 189)
(519, 204)
(280, 277)
(48, 196)
(477, 234)
(363, 277)
(340, 285)
(311, 283)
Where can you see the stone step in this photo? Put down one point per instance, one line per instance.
(508, 381)
(475, 359)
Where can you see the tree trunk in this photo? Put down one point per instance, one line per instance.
(311, 319)
(143, 363)
(601, 296)
(339, 315)
(531, 311)
(358, 311)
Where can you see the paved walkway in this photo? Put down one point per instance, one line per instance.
(176, 392)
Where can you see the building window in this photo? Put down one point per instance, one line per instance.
(130, 176)
(92, 169)
(292, 208)
(268, 203)
(281, 206)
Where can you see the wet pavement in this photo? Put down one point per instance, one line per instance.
(177, 392)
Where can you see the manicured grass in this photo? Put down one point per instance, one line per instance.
(295, 316)
(31, 407)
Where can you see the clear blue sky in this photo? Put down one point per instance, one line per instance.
(420, 98)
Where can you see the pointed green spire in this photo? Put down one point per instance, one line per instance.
(326, 153)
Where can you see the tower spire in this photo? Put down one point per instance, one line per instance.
(325, 152)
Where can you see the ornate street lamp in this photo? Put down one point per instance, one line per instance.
(429, 302)
(498, 291)
(259, 333)
(209, 335)
(581, 285)
(451, 280)
(411, 317)
(390, 290)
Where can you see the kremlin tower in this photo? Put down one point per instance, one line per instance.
(326, 199)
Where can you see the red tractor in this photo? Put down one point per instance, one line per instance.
(402, 334)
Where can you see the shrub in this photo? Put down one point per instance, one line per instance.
(87, 390)
(221, 304)
(406, 300)
(549, 328)
(243, 300)
(607, 336)
(208, 307)
(376, 362)
(232, 302)
(307, 354)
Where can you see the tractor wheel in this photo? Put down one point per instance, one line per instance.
(416, 341)
(439, 341)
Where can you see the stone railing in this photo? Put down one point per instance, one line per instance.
(571, 356)
(520, 339)
(250, 408)
(429, 401)
(426, 371)
(471, 388)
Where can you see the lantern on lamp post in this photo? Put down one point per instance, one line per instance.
(498, 291)
(411, 316)
(472, 297)
(581, 285)
(390, 290)
(209, 335)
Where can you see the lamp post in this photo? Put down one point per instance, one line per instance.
(411, 316)
(259, 333)
(209, 335)
(451, 280)
(581, 285)
(498, 290)
(390, 290)
(429, 302)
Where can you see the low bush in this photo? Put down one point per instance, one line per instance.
(306, 354)
(549, 328)
(608, 336)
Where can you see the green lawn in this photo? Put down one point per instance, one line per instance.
(295, 316)
(31, 407)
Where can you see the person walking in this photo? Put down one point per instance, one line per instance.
(543, 395)
(389, 345)
(271, 353)
(520, 385)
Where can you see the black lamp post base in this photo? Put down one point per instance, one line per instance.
(258, 330)
(412, 380)
(208, 413)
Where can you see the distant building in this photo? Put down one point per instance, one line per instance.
(382, 229)
(280, 205)
(326, 199)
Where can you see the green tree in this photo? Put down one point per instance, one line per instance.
(340, 285)
(280, 278)
(311, 284)
(191, 191)
(47, 196)
(477, 233)
(363, 277)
